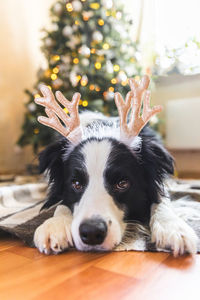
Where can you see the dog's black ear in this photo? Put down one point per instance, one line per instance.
(51, 156)
(51, 160)
(159, 158)
(158, 165)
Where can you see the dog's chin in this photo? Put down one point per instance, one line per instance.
(95, 248)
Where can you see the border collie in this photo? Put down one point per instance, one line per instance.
(102, 182)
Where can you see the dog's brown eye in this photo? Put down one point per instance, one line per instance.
(77, 185)
(122, 185)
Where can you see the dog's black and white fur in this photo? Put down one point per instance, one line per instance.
(102, 184)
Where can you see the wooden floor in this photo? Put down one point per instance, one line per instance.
(26, 274)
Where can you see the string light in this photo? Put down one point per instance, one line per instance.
(116, 68)
(132, 59)
(75, 60)
(111, 89)
(69, 7)
(101, 22)
(55, 70)
(56, 57)
(78, 78)
(91, 87)
(77, 22)
(98, 65)
(37, 96)
(83, 0)
(36, 131)
(94, 5)
(54, 76)
(106, 46)
(97, 89)
(84, 81)
(93, 50)
(114, 81)
(80, 102)
(85, 103)
(66, 110)
(107, 13)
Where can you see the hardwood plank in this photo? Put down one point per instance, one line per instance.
(7, 241)
(42, 274)
(176, 278)
(137, 264)
(26, 251)
(92, 283)
(10, 261)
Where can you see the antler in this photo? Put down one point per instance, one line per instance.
(55, 112)
(134, 101)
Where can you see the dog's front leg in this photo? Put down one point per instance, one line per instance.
(54, 235)
(170, 231)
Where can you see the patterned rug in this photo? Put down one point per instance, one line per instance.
(20, 211)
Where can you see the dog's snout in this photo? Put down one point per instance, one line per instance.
(93, 231)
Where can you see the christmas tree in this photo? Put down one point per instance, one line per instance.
(89, 50)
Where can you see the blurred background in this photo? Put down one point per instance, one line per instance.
(93, 47)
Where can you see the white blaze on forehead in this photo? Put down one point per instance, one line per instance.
(96, 156)
(95, 199)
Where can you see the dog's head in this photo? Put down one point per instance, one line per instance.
(105, 184)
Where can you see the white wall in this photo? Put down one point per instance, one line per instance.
(182, 127)
(20, 58)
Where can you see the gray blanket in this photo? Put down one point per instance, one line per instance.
(20, 212)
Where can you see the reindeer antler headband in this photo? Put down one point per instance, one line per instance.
(133, 103)
(72, 129)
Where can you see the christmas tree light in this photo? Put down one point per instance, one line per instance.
(98, 65)
(55, 70)
(114, 81)
(85, 103)
(76, 60)
(106, 46)
(56, 57)
(101, 22)
(116, 68)
(54, 76)
(95, 5)
(69, 7)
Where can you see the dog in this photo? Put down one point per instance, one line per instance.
(108, 179)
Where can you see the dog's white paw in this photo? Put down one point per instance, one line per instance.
(54, 235)
(174, 234)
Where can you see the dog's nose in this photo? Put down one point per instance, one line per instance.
(93, 231)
